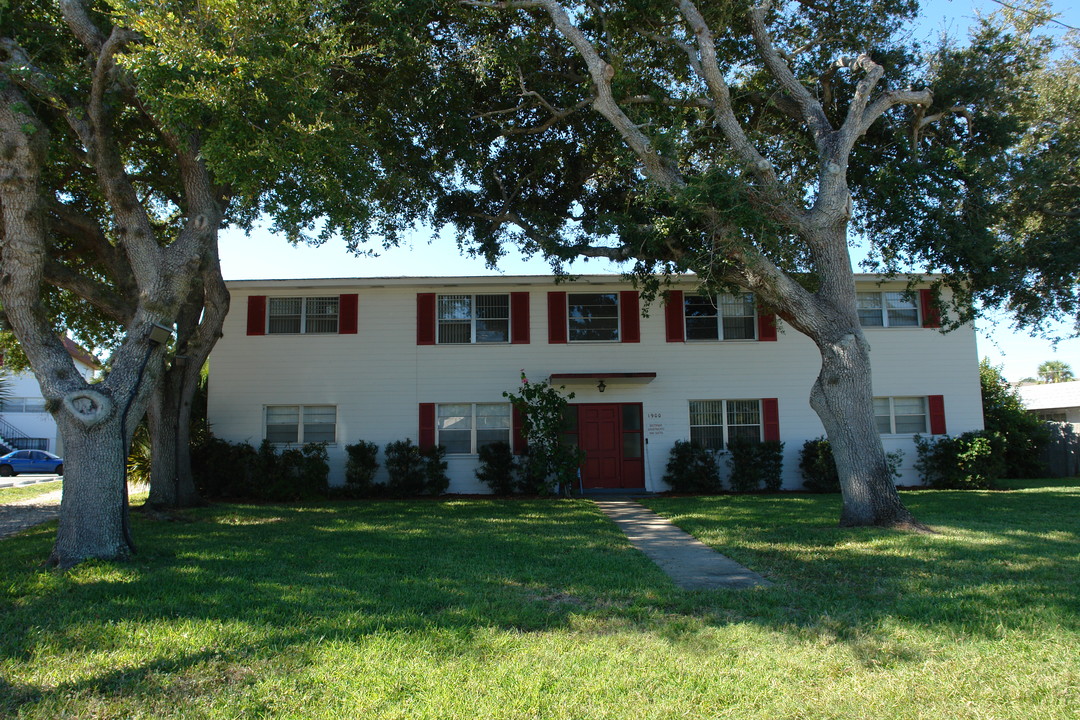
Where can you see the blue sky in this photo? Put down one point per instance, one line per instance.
(263, 256)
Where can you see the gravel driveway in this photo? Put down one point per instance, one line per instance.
(22, 514)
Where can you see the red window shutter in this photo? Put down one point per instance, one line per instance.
(348, 310)
(427, 426)
(556, 317)
(256, 315)
(519, 318)
(629, 317)
(766, 326)
(425, 318)
(931, 316)
(674, 326)
(937, 414)
(770, 418)
(518, 434)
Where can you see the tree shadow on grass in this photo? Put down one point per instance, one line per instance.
(270, 581)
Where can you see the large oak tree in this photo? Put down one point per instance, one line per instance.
(739, 140)
(129, 134)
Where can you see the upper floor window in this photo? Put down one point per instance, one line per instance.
(300, 424)
(302, 315)
(22, 405)
(724, 317)
(473, 318)
(715, 423)
(593, 316)
(900, 415)
(887, 309)
(464, 428)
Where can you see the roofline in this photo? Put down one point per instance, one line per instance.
(452, 280)
(79, 353)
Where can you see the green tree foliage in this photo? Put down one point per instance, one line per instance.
(1004, 413)
(983, 185)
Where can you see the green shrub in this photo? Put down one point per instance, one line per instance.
(818, 467)
(405, 466)
(435, 478)
(361, 464)
(549, 463)
(414, 471)
(972, 461)
(222, 469)
(498, 468)
(239, 471)
(1003, 412)
(692, 468)
(755, 464)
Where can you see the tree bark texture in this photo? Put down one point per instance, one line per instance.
(92, 508)
(842, 397)
(198, 329)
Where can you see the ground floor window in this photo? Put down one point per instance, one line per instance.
(1052, 415)
(900, 415)
(463, 428)
(715, 423)
(301, 424)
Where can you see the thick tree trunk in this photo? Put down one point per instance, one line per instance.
(169, 417)
(842, 396)
(92, 509)
(198, 327)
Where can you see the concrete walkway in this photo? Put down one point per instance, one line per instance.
(690, 563)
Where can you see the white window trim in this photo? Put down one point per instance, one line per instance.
(300, 422)
(724, 413)
(720, 323)
(884, 309)
(892, 415)
(9, 405)
(473, 448)
(303, 313)
(618, 319)
(473, 318)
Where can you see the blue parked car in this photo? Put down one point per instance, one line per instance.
(31, 461)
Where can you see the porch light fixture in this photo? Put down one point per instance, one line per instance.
(601, 386)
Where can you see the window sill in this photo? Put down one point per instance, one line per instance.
(709, 341)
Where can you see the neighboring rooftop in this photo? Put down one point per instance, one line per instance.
(1051, 395)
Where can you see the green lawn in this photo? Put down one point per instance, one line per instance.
(24, 492)
(539, 609)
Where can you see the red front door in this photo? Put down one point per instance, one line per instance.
(610, 437)
(598, 433)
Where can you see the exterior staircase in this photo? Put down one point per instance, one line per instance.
(12, 438)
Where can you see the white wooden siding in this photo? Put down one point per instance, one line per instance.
(378, 377)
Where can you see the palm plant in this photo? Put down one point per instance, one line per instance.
(1055, 371)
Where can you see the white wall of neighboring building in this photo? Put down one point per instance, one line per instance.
(24, 386)
(378, 377)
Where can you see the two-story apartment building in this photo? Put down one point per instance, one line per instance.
(386, 359)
